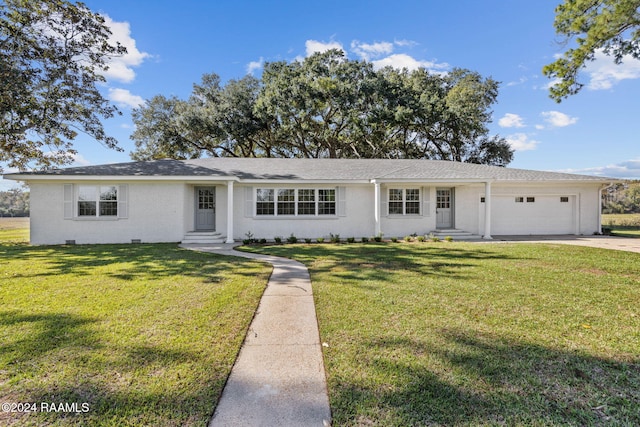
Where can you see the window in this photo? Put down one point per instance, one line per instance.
(519, 199)
(404, 201)
(293, 202)
(327, 202)
(306, 202)
(97, 200)
(395, 202)
(264, 202)
(531, 199)
(564, 199)
(482, 199)
(286, 202)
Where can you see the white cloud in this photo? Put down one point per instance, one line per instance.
(520, 81)
(511, 120)
(558, 119)
(402, 60)
(629, 169)
(124, 98)
(79, 160)
(604, 72)
(315, 46)
(255, 65)
(405, 43)
(367, 51)
(121, 67)
(521, 142)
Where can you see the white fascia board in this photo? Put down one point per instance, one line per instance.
(302, 181)
(431, 181)
(27, 178)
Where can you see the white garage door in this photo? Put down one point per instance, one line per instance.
(533, 214)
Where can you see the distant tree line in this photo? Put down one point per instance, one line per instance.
(14, 202)
(327, 106)
(622, 198)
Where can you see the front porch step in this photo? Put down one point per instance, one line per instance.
(455, 234)
(203, 237)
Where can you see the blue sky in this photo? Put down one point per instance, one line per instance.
(171, 45)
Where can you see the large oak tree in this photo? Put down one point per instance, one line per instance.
(52, 54)
(327, 106)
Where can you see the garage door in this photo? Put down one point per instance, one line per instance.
(533, 214)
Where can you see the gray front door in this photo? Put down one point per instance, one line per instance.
(205, 208)
(444, 208)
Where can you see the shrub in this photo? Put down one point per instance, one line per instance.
(263, 240)
(320, 239)
(292, 239)
(278, 239)
(334, 238)
(408, 239)
(351, 239)
(378, 237)
(365, 239)
(449, 239)
(421, 238)
(307, 240)
(435, 238)
(394, 239)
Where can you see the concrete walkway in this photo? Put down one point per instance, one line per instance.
(278, 378)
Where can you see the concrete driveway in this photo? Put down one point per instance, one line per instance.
(605, 242)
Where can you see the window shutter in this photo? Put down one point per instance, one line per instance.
(123, 201)
(342, 201)
(248, 202)
(426, 201)
(384, 201)
(68, 201)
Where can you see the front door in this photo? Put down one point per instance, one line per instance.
(444, 208)
(205, 208)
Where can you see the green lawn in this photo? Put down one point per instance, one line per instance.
(14, 229)
(145, 334)
(624, 225)
(477, 334)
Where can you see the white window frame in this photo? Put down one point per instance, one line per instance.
(71, 201)
(276, 191)
(97, 190)
(404, 200)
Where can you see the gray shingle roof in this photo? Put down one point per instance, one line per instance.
(314, 170)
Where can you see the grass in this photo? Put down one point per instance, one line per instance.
(145, 334)
(14, 229)
(624, 225)
(477, 334)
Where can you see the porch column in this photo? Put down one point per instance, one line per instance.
(229, 212)
(376, 208)
(487, 211)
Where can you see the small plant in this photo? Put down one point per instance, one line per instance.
(434, 238)
(408, 239)
(378, 237)
(421, 238)
(249, 235)
(449, 239)
(246, 241)
(334, 238)
(351, 239)
(263, 240)
(292, 239)
(365, 239)
(307, 240)
(277, 239)
(394, 239)
(320, 240)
